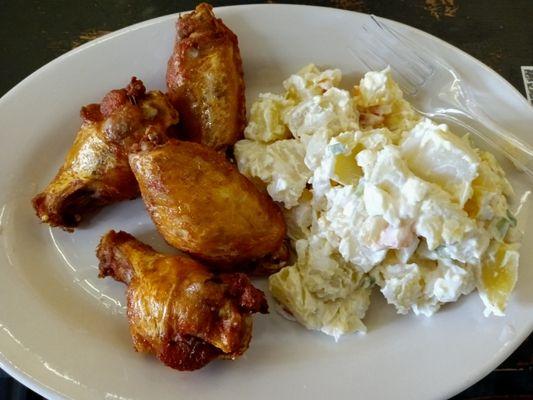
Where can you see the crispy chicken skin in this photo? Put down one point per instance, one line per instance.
(202, 204)
(177, 309)
(205, 79)
(96, 170)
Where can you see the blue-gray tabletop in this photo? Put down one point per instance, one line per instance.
(497, 32)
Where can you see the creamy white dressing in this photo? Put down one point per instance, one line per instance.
(373, 194)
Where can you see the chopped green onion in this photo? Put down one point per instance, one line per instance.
(502, 226)
(511, 218)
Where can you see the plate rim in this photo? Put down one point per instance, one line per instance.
(17, 372)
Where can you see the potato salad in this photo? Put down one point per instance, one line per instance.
(375, 195)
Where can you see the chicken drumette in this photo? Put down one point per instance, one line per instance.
(177, 309)
(205, 79)
(96, 170)
(201, 204)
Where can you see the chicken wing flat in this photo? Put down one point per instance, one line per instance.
(205, 79)
(96, 170)
(203, 205)
(176, 308)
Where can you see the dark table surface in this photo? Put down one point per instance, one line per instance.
(497, 32)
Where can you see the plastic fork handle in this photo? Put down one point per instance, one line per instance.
(499, 139)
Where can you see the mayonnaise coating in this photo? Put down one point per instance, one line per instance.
(376, 195)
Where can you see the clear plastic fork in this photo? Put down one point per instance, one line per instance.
(437, 91)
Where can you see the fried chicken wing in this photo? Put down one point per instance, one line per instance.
(205, 79)
(203, 205)
(176, 308)
(96, 170)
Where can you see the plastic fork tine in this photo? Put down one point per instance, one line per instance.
(408, 69)
(366, 61)
(407, 45)
(406, 74)
(380, 62)
(415, 68)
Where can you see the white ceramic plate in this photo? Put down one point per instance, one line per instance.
(63, 331)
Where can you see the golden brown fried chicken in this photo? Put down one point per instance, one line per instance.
(205, 79)
(96, 170)
(177, 309)
(203, 205)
